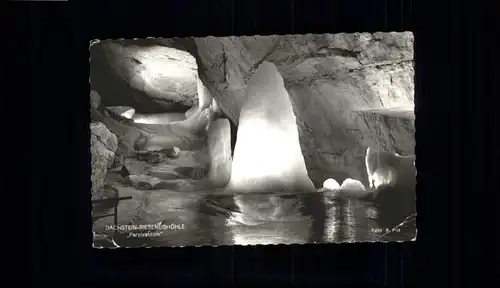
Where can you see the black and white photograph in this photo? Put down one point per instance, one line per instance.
(253, 140)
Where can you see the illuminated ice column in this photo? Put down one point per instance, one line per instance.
(219, 150)
(383, 176)
(385, 168)
(267, 155)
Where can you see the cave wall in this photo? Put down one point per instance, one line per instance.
(144, 74)
(329, 79)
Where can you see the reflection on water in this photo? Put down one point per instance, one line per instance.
(351, 220)
(263, 219)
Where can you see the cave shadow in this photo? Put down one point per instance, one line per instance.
(234, 132)
(395, 204)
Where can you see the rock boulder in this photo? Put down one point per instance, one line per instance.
(103, 145)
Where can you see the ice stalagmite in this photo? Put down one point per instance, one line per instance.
(267, 155)
(389, 169)
(219, 150)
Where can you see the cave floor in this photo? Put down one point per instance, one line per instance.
(172, 195)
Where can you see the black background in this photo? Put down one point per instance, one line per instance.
(48, 60)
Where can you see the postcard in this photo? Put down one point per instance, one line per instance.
(253, 140)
